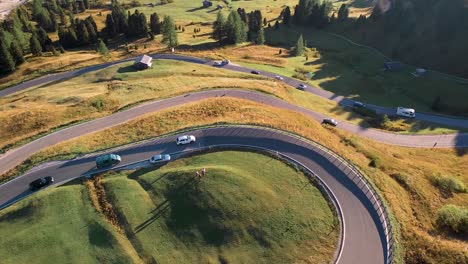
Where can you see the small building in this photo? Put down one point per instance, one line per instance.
(393, 65)
(143, 62)
(207, 3)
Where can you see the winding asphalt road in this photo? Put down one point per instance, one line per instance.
(436, 119)
(15, 156)
(364, 239)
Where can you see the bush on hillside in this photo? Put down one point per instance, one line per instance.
(449, 185)
(454, 218)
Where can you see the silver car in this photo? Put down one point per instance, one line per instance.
(160, 158)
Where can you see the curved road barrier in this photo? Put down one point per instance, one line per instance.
(367, 233)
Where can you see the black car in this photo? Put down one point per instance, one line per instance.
(41, 182)
(330, 121)
(254, 72)
(359, 104)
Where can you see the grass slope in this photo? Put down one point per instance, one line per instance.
(239, 212)
(59, 225)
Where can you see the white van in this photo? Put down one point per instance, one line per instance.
(406, 112)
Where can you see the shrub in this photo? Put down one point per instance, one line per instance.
(375, 162)
(401, 178)
(102, 103)
(453, 218)
(449, 185)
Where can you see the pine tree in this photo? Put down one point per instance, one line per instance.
(16, 53)
(277, 24)
(43, 38)
(91, 32)
(111, 27)
(287, 16)
(93, 23)
(255, 23)
(219, 28)
(120, 18)
(235, 28)
(35, 45)
(343, 13)
(63, 16)
(7, 63)
(260, 37)
(37, 8)
(142, 25)
(169, 33)
(82, 6)
(82, 33)
(299, 48)
(102, 48)
(86, 4)
(155, 24)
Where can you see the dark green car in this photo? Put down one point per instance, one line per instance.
(107, 160)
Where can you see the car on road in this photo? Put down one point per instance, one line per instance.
(359, 104)
(330, 121)
(277, 77)
(301, 87)
(107, 160)
(225, 62)
(217, 63)
(40, 183)
(160, 158)
(186, 139)
(406, 112)
(255, 72)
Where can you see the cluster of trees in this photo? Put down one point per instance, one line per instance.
(135, 25)
(18, 37)
(79, 33)
(25, 31)
(239, 27)
(309, 13)
(430, 33)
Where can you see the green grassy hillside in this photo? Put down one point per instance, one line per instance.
(60, 226)
(238, 212)
(248, 208)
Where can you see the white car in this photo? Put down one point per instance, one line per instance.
(302, 87)
(406, 112)
(185, 139)
(160, 158)
(217, 63)
(277, 77)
